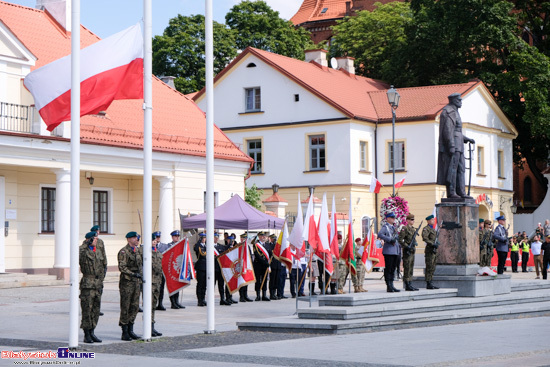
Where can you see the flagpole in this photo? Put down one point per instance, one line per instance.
(209, 81)
(147, 165)
(75, 172)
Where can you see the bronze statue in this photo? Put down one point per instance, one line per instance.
(451, 165)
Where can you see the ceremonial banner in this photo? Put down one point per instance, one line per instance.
(323, 250)
(110, 69)
(295, 237)
(282, 249)
(236, 267)
(172, 261)
(334, 231)
(187, 272)
(310, 228)
(369, 256)
(348, 251)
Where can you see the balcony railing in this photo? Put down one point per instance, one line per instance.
(17, 118)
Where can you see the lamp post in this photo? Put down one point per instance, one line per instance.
(393, 100)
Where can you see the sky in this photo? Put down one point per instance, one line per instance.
(107, 17)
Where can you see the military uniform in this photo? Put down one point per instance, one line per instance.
(260, 264)
(130, 266)
(93, 272)
(430, 252)
(501, 237)
(218, 277)
(407, 241)
(200, 268)
(485, 245)
(100, 250)
(343, 271)
(391, 252)
(359, 276)
(275, 267)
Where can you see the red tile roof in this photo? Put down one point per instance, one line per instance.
(312, 10)
(275, 198)
(179, 126)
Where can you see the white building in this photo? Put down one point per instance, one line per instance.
(35, 164)
(306, 124)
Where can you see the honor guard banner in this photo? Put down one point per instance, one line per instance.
(282, 249)
(187, 272)
(172, 261)
(236, 267)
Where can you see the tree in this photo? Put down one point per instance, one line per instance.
(257, 25)
(253, 196)
(179, 51)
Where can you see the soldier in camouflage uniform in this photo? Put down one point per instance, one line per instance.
(91, 266)
(343, 269)
(430, 251)
(100, 251)
(360, 267)
(130, 267)
(406, 238)
(156, 258)
(485, 245)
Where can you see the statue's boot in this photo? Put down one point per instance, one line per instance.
(451, 192)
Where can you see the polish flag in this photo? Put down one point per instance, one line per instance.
(348, 251)
(368, 257)
(334, 231)
(375, 185)
(400, 183)
(309, 233)
(295, 237)
(323, 250)
(110, 69)
(282, 248)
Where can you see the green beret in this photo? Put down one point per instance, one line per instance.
(431, 216)
(131, 234)
(481, 220)
(91, 234)
(95, 228)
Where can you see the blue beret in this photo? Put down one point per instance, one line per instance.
(390, 215)
(175, 233)
(91, 234)
(95, 228)
(501, 218)
(131, 234)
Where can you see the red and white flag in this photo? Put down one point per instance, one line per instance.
(400, 183)
(309, 233)
(375, 185)
(236, 267)
(334, 231)
(369, 257)
(282, 249)
(295, 237)
(110, 69)
(323, 250)
(172, 261)
(187, 272)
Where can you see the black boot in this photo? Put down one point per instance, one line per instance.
(178, 301)
(87, 336)
(94, 338)
(131, 332)
(389, 289)
(258, 297)
(160, 307)
(174, 302)
(223, 302)
(413, 287)
(312, 289)
(408, 286)
(242, 299)
(430, 285)
(125, 335)
(264, 296)
(153, 331)
(272, 296)
(393, 287)
(248, 299)
(333, 288)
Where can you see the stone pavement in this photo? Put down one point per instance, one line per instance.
(36, 319)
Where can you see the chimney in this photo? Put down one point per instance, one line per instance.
(346, 63)
(319, 56)
(348, 8)
(59, 9)
(169, 80)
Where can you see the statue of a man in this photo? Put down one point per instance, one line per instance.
(450, 165)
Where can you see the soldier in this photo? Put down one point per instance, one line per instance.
(200, 268)
(501, 237)
(129, 265)
(275, 267)
(100, 249)
(174, 299)
(343, 269)
(261, 264)
(218, 277)
(485, 244)
(407, 241)
(230, 242)
(91, 284)
(359, 277)
(243, 291)
(430, 251)
(391, 250)
(156, 258)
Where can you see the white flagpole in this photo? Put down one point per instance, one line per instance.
(209, 80)
(75, 172)
(147, 165)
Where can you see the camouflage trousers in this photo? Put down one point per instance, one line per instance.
(408, 267)
(90, 302)
(129, 300)
(485, 257)
(360, 277)
(431, 256)
(155, 290)
(343, 272)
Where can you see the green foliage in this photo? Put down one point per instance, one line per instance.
(257, 25)
(253, 196)
(179, 51)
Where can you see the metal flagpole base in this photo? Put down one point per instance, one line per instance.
(210, 331)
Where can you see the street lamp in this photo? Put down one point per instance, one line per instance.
(393, 100)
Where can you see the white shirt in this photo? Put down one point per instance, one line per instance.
(535, 247)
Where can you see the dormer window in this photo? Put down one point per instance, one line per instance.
(251, 65)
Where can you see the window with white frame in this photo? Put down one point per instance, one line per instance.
(254, 147)
(47, 215)
(480, 160)
(363, 156)
(101, 210)
(400, 156)
(317, 161)
(253, 99)
(500, 163)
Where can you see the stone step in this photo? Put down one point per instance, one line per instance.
(422, 319)
(18, 280)
(527, 285)
(370, 298)
(386, 307)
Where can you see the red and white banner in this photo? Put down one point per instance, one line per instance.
(369, 256)
(323, 249)
(282, 249)
(187, 272)
(295, 237)
(236, 267)
(309, 233)
(172, 261)
(110, 69)
(375, 185)
(400, 183)
(334, 231)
